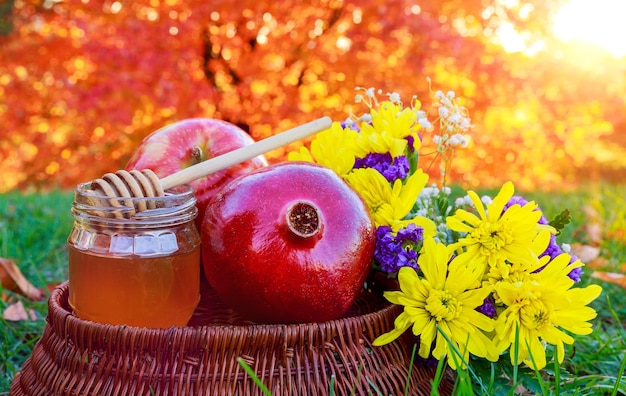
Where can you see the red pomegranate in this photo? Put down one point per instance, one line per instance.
(289, 243)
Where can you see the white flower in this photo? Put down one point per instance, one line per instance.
(454, 140)
(455, 118)
(486, 199)
(463, 201)
(443, 112)
(394, 97)
(423, 212)
(566, 248)
(424, 123)
(428, 192)
(465, 123)
(458, 140)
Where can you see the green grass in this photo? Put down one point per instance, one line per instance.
(34, 227)
(33, 230)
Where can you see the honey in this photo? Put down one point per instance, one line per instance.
(136, 291)
(135, 268)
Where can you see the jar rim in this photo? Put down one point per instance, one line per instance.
(177, 206)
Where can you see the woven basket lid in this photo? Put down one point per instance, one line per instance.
(78, 357)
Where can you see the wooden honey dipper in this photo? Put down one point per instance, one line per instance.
(146, 184)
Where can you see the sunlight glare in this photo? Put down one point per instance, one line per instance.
(599, 22)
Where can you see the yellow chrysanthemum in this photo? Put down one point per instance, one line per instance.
(516, 271)
(371, 140)
(390, 204)
(494, 237)
(541, 307)
(333, 148)
(387, 132)
(441, 299)
(510, 273)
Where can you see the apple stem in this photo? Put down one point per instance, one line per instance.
(197, 155)
(303, 219)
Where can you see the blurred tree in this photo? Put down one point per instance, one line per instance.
(83, 81)
(6, 8)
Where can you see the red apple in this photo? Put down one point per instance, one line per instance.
(289, 243)
(188, 142)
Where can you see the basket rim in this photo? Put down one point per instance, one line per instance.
(58, 301)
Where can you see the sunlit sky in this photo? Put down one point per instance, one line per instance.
(599, 22)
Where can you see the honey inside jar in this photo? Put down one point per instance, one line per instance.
(141, 270)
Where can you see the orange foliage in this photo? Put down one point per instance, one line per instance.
(83, 81)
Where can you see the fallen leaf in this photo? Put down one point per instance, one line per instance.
(594, 231)
(51, 286)
(585, 253)
(16, 312)
(598, 262)
(593, 226)
(23, 285)
(611, 277)
(617, 235)
(590, 212)
(8, 283)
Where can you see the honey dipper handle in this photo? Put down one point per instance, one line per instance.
(245, 153)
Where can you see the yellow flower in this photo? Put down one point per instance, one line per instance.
(398, 121)
(441, 303)
(390, 204)
(541, 307)
(516, 271)
(494, 237)
(388, 130)
(333, 148)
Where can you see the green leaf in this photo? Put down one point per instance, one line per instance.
(561, 220)
(6, 17)
(442, 204)
(254, 377)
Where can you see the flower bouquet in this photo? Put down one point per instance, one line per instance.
(475, 276)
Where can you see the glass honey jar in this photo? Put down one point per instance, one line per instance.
(136, 267)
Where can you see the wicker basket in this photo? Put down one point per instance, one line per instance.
(77, 357)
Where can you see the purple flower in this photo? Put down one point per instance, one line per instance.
(411, 143)
(393, 252)
(350, 125)
(576, 272)
(487, 308)
(390, 168)
(553, 248)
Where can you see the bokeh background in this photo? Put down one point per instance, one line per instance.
(82, 82)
